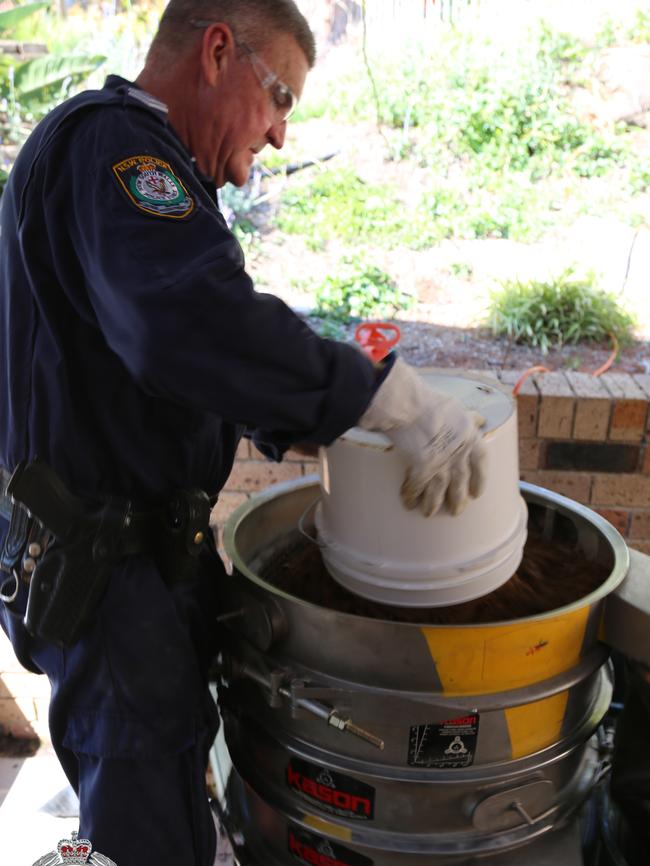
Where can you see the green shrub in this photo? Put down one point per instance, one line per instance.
(359, 290)
(560, 47)
(598, 156)
(567, 309)
(640, 30)
(337, 203)
(639, 178)
(481, 205)
(488, 123)
(40, 84)
(609, 34)
(11, 18)
(463, 270)
(31, 88)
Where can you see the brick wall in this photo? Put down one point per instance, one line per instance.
(587, 438)
(583, 437)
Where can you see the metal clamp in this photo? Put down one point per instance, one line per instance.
(277, 687)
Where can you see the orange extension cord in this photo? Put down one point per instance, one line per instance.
(539, 369)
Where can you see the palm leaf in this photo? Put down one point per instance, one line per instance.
(34, 79)
(10, 17)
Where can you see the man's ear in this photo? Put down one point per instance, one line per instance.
(217, 50)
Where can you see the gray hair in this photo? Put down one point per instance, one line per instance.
(252, 21)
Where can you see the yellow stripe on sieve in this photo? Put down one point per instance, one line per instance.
(327, 827)
(487, 659)
(534, 726)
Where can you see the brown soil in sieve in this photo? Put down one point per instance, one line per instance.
(550, 576)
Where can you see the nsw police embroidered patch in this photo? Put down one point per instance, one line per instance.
(153, 187)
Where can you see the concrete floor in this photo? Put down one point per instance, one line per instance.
(27, 786)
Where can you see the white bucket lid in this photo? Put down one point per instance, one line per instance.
(377, 549)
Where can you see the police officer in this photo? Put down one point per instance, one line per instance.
(135, 352)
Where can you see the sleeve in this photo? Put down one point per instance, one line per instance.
(272, 444)
(167, 285)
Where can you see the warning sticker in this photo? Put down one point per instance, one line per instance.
(331, 791)
(316, 851)
(446, 745)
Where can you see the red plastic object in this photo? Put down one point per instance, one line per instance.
(377, 338)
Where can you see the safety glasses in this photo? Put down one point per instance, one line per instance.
(283, 98)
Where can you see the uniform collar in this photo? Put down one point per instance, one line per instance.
(133, 93)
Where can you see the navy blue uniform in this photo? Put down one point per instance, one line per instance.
(135, 351)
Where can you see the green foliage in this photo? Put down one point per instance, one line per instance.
(337, 203)
(467, 99)
(480, 205)
(41, 83)
(3, 179)
(490, 123)
(238, 203)
(512, 124)
(359, 291)
(560, 47)
(640, 30)
(10, 18)
(331, 329)
(639, 178)
(464, 270)
(598, 156)
(567, 309)
(78, 46)
(608, 35)
(31, 88)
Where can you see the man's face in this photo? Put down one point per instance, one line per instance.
(247, 117)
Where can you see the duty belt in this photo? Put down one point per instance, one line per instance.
(142, 529)
(64, 547)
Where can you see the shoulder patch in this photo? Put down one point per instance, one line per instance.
(153, 187)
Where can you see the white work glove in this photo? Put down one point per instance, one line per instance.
(439, 438)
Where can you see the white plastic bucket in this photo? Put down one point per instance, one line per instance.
(377, 549)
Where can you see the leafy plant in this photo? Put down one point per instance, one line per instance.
(566, 309)
(559, 46)
(640, 29)
(238, 205)
(359, 291)
(597, 156)
(491, 122)
(639, 178)
(10, 18)
(463, 270)
(331, 329)
(44, 81)
(33, 87)
(337, 203)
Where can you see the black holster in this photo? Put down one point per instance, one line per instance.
(65, 549)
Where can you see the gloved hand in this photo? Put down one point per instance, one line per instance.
(440, 439)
